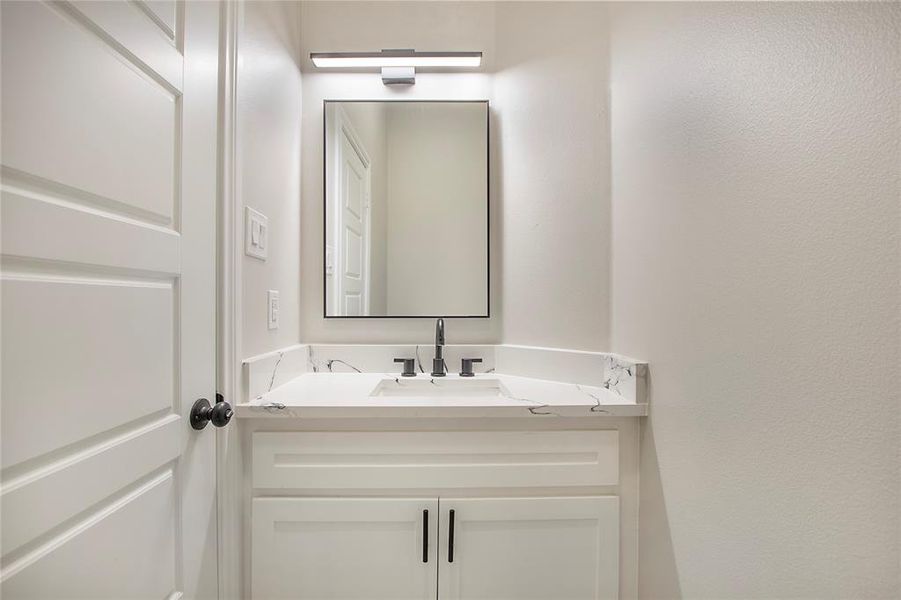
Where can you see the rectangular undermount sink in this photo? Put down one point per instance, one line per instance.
(437, 387)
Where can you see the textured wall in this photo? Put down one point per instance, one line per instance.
(551, 91)
(268, 129)
(756, 267)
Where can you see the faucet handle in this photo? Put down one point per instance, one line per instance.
(466, 366)
(409, 370)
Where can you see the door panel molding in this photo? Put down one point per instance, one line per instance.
(109, 465)
(106, 239)
(125, 28)
(163, 13)
(34, 188)
(120, 567)
(83, 117)
(63, 389)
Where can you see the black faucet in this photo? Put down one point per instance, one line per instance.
(439, 369)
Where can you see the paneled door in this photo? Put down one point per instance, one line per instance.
(354, 250)
(109, 133)
(345, 548)
(529, 548)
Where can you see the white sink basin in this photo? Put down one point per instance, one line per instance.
(437, 387)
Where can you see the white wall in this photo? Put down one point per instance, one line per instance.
(268, 130)
(437, 246)
(756, 267)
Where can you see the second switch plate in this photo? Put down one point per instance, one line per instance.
(256, 234)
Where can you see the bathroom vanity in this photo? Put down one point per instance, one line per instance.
(432, 471)
(518, 482)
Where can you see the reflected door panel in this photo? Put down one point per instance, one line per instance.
(354, 229)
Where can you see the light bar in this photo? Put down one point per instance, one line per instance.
(394, 58)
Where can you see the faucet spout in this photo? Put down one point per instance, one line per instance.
(439, 333)
(439, 369)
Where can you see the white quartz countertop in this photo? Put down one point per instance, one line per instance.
(337, 395)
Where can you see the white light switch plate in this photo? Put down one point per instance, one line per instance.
(256, 234)
(272, 304)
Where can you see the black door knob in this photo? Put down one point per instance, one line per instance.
(202, 413)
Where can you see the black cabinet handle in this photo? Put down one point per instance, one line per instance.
(425, 536)
(450, 536)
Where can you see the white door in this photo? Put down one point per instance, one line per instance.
(345, 548)
(529, 548)
(351, 214)
(109, 138)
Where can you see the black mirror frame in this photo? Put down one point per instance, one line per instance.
(487, 314)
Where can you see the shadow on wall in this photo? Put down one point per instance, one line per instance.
(655, 542)
(289, 37)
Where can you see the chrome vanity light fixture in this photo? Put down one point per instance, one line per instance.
(398, 66)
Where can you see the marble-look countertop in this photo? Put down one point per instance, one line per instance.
(339, 395)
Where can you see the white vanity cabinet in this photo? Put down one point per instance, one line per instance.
(447, 515)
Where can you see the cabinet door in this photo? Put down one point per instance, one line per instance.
(529, 548)
(363, 548)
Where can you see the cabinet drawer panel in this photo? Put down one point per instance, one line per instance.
(411, 460)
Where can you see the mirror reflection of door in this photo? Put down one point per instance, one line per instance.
(406, 208)
(350, 272)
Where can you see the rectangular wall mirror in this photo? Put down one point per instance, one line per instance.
(406, 209)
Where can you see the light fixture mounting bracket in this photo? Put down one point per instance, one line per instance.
(398, 75)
